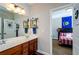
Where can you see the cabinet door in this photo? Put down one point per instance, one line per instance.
(35, 45)
(12, 51)
(25, 48)
(32, 46)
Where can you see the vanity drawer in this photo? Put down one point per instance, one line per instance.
(12, 51)
(25, 48)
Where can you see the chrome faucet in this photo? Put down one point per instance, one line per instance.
(2, 42)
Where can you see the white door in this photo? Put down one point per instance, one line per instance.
(9, 28)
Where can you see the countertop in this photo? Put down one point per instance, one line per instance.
(11, 42)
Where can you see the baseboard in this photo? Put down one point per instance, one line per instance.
(43, 52)
(55, 39)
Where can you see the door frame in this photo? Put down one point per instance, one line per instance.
(50, 11)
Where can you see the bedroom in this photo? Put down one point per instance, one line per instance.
(62, 29)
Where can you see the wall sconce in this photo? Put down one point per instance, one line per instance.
(15, 8)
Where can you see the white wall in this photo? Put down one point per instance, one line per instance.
(42, 11)
(56, 23)
(57, 19)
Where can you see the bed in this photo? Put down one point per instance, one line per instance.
(65, 38)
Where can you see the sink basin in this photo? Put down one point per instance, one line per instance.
(27, 36)
(2, 41)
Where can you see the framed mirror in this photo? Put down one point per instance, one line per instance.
(12, 24)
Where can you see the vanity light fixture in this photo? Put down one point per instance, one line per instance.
(22, 11)
(10, 7)
(16, 9)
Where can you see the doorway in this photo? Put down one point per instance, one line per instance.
(56, 24)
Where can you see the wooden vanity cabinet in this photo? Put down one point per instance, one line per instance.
(27, 48)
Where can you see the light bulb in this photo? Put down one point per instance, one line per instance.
(23, 12)
(18, 10)
(11, 7)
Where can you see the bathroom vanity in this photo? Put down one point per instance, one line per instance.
(20, 46)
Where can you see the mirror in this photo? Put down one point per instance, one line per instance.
(11, 24)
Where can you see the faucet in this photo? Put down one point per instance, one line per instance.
(2, 42)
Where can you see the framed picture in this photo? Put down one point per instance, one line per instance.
(67, 22)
